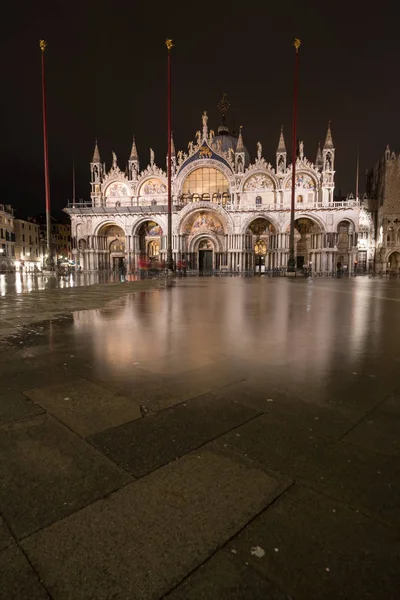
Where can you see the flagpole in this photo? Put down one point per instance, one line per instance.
(169, 44)
(49, 260)
(292, 261)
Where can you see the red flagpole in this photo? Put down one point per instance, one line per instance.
(169, 43)
(49, 261)
(292, 261)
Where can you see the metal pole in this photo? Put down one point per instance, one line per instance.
(49, 260)
(169, 43)
(292, 261)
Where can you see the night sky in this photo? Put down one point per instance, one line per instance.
(106, 78)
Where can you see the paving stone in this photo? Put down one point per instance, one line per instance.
(142, 446)
(379, 432)
(225, 578)
(85, 407)
(362, 479)
(274, 444)
(359, 478)
(14, 406)
(285, 408)
(392, 402)
(6, 538)
(143, 540)
(18, 581)
(317, 549)
(47, 472)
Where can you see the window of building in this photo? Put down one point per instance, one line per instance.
(205, 180)
(23, 225)
(2, 234)
(258, 201)
(23, 237)
(23, 250)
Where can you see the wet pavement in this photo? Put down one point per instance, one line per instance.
(223, 438)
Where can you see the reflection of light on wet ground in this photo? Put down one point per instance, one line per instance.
(18, 283)
(299, 330)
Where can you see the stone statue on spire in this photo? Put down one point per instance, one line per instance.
(259, 150)
(114, 161)
(151, 157)
(205, 126)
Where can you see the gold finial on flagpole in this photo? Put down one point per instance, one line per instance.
(170, 44)
(297, 44)
(42, 44)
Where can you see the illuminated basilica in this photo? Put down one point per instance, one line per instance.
(229, 213)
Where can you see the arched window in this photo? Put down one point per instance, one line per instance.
(205, 180)
(258, 201)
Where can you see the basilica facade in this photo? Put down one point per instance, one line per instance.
(229, 213)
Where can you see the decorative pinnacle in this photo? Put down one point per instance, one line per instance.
(170, 44)
(223, 105)
(43, 45)
(297, 44)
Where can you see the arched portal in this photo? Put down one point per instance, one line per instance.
(394, 263)
(111, 247)
(259, 233)
(150, 234)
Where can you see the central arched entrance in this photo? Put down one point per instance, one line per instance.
(205, 256)
(260, 231)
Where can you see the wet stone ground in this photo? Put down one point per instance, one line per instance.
(222, 438)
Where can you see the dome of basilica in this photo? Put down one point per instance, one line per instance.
(227, 141)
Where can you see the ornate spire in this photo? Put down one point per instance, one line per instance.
(281, 143)
(328, 140)
(172, 145)
(134, 154)
(318, 160)
(96, 154)
(223, 107)
(240, 145)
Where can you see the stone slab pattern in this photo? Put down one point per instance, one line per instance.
(6, 538)
(224, 578)
(85, 407)
(14, 406)
(143, 540)
(361, 479)
(18, 581)
(316, 549)
(47, 472)
(142, 446)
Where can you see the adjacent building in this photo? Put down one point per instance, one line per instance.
(28, 254)
(383, 193)
(229, 213)
(7, 238)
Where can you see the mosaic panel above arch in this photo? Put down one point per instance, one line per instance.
(117, 190)
(303, 180)
(152, 187)
(258, 182)
(203, 222)
(150, 229)
(261, 226)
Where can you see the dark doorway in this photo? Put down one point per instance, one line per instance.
(300, 262)
(260, 263)
(205, 260)
(118, 263)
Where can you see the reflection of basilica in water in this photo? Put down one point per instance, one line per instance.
(228, 213)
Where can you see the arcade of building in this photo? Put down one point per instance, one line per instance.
(229, 214)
